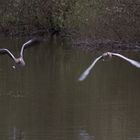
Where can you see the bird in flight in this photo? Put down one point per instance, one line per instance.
(104, 56)
(19, 60)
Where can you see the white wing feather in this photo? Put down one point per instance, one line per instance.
(87, 71)
(133, 62)
(23, 46)
(6, 51)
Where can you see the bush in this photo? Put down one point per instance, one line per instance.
(111, 19)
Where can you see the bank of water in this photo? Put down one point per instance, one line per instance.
(44, 100)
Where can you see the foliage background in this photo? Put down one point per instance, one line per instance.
(100, 19)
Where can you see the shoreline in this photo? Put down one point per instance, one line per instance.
(76, 41)
(106, 45)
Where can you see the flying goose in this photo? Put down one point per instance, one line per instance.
(19, 60)
(103, 56)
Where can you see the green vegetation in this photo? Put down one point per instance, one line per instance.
(112, 19)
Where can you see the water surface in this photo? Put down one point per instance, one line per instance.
(44, 100)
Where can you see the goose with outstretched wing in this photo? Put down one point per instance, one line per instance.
(103, 56)
(19, 60)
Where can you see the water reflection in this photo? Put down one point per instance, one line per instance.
(83, 135)
(17, 134)
(45, 101)
(138, 138)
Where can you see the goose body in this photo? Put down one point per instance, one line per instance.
(19, 61)
(104, 56)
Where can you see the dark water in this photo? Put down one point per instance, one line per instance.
(44, 100)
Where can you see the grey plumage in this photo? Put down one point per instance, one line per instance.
(19, 61)
(107, 54)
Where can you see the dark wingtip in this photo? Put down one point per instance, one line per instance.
(36, 40)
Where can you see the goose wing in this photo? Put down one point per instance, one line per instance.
(29, 43)
(6, 51)
(86, 72)
(131, 61)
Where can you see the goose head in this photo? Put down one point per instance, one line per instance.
(107, 56)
